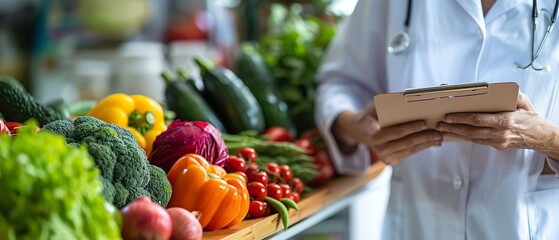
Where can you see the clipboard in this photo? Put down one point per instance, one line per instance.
(433, 103)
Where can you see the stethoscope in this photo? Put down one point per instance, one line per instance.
(401, 42)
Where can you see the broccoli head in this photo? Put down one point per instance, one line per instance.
(117, 154)
(159, 186)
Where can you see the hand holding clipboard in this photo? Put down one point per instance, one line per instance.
(433, 103)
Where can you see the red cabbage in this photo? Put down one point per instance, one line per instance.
(184, 137)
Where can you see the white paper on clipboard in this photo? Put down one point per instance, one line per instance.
(433, 103)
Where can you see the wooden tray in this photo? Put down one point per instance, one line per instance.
(335, 190)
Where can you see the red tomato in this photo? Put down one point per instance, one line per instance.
(307, 144)
(325, 169)
(258, 176)
(285, 188)
(252, 168)
(297, 185)
(257, 191)
(273, 172)
(278, 134)
(285, 173)
(237, 164)
(295, 196)
(247, 153)
(275, 191)
(244, 175)
(257, 209)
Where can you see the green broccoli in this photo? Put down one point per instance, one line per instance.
(117, 154)
(159, 186)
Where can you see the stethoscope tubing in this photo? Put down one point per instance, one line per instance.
(402, 41)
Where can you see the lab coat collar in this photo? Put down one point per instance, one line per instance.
(473, 8)
(502, 6)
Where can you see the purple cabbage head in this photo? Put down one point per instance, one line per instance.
(184, 137)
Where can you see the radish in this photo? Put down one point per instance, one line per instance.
(186, 224)
(143, 219)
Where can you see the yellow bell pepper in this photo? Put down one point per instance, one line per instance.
(141, 115)
(222, 201)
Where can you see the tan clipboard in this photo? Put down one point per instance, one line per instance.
(432, 103)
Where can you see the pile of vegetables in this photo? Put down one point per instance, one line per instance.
(270, 187)
(125, 171)
(51, 190)
(281, 153)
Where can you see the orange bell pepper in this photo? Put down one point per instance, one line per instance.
(223, 201)
(141, 115)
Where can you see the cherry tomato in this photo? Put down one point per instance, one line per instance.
(285, 188)
(325, 169)
(247, 153)
(258, 176)
(277, 134)
(257, 191)
(297, 185)
(275, 191)
(295, 196)
(268, 209)
(244, 175)
(273, 172)
(306, 144)
(257, 209)
(237, 164)
(252, 168)
(285, 173)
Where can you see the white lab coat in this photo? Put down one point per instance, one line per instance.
(460, 190)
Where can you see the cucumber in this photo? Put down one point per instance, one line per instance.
(187, 103)
(230, 98)
(18, 105)
(252, 70)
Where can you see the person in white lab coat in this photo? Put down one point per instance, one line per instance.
(491, 186)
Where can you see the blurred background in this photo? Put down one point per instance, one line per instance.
(85, 49)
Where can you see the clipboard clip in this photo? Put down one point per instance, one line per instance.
(446, 91)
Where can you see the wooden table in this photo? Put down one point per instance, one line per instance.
(321, 199)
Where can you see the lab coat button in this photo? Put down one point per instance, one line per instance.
(457, 182)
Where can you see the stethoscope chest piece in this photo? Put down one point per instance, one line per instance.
(399, 43)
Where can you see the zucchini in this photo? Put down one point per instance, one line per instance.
(187, 103)
(18, 105)
(230, 98)
(252, 70)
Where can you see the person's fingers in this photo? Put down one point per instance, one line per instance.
(497, 143)
(469, 131)
(401, 155)
(491, 120)
(408, 142)
(397, 132)
(370, 110)
(523, 102)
